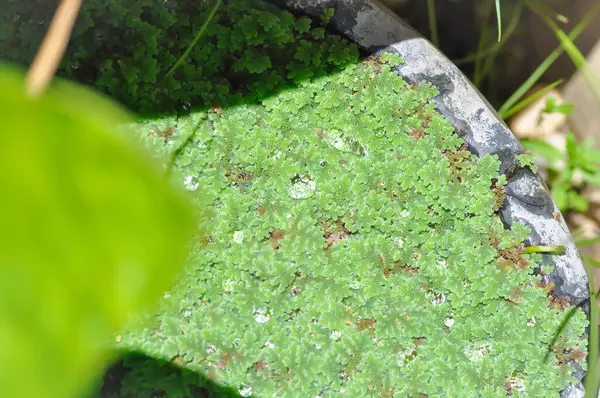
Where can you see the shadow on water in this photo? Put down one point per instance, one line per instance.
(136, 375)
(250, 50)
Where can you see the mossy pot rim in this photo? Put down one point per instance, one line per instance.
(376, 29)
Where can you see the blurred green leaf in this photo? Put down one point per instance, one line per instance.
(543, 149)
(90, 234)
(576, 56)
(591, 178)
(433, 22)
(571, 147)
(587, 242)
(559, 193)
(545, 65)
(577, 202)
(552, 107)
(523, 103)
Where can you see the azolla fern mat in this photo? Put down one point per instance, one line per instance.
(350, 246)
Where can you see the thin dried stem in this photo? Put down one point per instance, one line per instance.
(53, 48)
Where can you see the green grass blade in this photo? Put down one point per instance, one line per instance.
(198, 36)
(589, 390)
(510, 30)
(537, 74)
(591, 260)
(529, 100)
(587, 243)
(499, 18)
(177, 153)
(562, 327)
(480, 45)
(433, 22)
(577, 57)
(545, 249)
(592, 379)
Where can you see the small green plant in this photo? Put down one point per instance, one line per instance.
(569, 170)
(527, 160)
(552, 107)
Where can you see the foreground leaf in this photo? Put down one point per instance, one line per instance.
(89, 233)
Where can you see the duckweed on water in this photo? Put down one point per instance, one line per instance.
(349, 243)
(379, 275)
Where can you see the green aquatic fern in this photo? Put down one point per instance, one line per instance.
(160, 57)
(327, 15)
(350, 244)
(356, 255)
(527, 160)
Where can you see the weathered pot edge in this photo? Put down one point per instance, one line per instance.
(375, 28)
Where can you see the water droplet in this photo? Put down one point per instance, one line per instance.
(340, 141)
(228, 285)
(399, 242)
(40, 21)
(531, 322)
(476, 352)
(404, 213)
(268, 344)
(245, 390)
(449, 322)
(211, 349)
(517, 382)
(167, 295)
(355, 285)
(405, 357)
(16, 17)
(187, 106)
(335, 335)
(238, 237)
(190, 182)
(118, 338)
(436, 298)
(262, 315)
(301, 186)
(75, 65)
